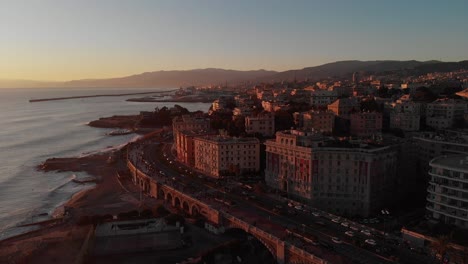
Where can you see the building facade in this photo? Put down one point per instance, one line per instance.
(345, 177)
(405, 121)
(444, 113)
(366, 124)
(219, 156)
(429, 145)
(344, 107)
(263, 124)
(448, 190)
(322, 121)
(321, 98)
(184, 128)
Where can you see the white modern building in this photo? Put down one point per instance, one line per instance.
(448, 190)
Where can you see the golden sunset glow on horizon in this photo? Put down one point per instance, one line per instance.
(68, 40)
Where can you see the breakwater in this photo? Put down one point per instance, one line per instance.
(96, 95)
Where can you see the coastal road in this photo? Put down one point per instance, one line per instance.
(305, 224)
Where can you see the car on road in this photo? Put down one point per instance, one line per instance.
(345, 224)
(298, 207)
(336, 240)
(371, 242)
(316, 214)
(366, 232)
(336, 220)
(349, 233)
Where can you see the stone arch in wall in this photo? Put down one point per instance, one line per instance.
(195, 210)
(169, 197)
(161, 194)
(177, 203)
(186, 207)
(269, 246)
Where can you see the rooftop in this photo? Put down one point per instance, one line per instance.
(454, 162)
(229, 140)
(458, 137)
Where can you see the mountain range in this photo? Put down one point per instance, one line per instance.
(220, 76)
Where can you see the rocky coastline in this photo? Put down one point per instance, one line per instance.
(117, 121)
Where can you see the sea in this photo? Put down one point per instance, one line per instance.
(30, 133)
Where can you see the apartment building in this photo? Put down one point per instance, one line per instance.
(322, 98)
(220, 156)
(444, 113)
(366, 124)
(405, 121)
(448, 190)
(429, 145)
(322, 121)
(263, 123)
(346, 177)
(184, 128)
(344, 107)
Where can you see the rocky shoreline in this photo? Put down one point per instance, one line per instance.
(117, 121)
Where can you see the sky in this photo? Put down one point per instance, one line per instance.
(59, 40)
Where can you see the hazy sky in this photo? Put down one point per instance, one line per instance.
(62, 39)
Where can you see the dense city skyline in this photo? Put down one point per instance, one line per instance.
(66, 40)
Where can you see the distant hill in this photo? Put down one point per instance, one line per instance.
(342, 68)
(175, 78)
(441, 67)
(220, 76)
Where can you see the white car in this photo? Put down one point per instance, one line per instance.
(345, 224)
(298, 207)
(349, 233)
(336, 220)
(371, 242)
(366, 232)
(317, 214)
(336, 240)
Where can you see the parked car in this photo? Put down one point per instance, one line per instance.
(345, 224)
(366, 232)
(349, 233)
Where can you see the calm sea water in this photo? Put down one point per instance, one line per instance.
(32, 132)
